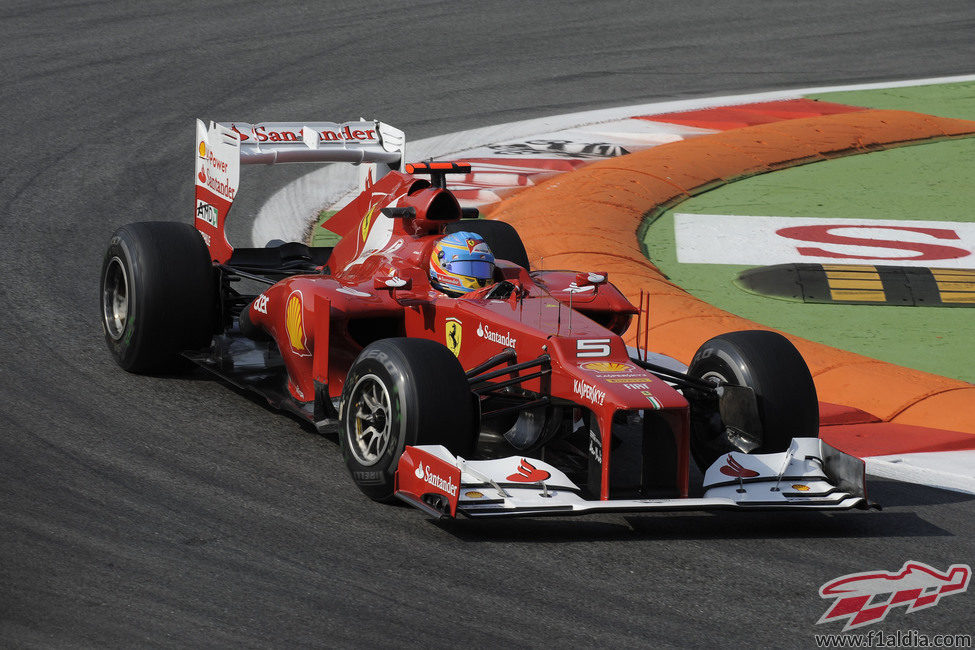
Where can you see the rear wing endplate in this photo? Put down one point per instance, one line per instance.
(222, 147)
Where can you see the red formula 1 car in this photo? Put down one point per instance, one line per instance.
(517, 397)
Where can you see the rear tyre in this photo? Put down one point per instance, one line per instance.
(501, 237)
(770, 365)
(400, 392)
(158, 295)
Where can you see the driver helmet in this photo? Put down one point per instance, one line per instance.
(461, 262)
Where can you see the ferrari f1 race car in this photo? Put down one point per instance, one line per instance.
(455, 376)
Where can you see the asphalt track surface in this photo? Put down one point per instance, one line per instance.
(173, 511)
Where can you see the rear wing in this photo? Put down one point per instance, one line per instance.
(222, 147)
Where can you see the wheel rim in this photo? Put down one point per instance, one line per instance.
(715, 378)
(369, 432)
(115, 298)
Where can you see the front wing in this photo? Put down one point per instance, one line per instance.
(810, 475)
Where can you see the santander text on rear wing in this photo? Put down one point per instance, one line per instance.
(222, 147)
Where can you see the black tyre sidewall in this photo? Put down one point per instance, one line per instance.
(430, 404)
(123, 349)
(770, 365)
(171, 286)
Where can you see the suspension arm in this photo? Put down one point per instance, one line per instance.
(244, 274)
(507, 370)
(678, 378)
(510, 382)
(505, 356)
(542, 401)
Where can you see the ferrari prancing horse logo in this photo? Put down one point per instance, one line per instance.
(366, 223)
(454, 333)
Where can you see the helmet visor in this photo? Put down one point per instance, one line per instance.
(472, 268)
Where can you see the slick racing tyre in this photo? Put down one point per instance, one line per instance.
(400, 392)
(158, 295)
(771, 366)
(502, 238)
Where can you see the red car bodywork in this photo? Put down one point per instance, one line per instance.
(376, 284)
(516, 399)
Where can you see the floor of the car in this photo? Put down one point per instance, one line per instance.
(254, 366)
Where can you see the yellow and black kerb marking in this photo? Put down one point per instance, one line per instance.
(862, 285)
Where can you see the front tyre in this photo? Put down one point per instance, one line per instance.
(770, 365)
(401, 392)
(158, 295)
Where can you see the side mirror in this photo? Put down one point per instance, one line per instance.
(391, 283)
(587, 279)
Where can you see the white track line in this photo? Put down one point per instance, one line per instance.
(949, 470)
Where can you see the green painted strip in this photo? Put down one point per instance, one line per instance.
(321, 237)
(946, 100)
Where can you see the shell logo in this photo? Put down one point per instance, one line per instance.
(294, 323)
(607, 366)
